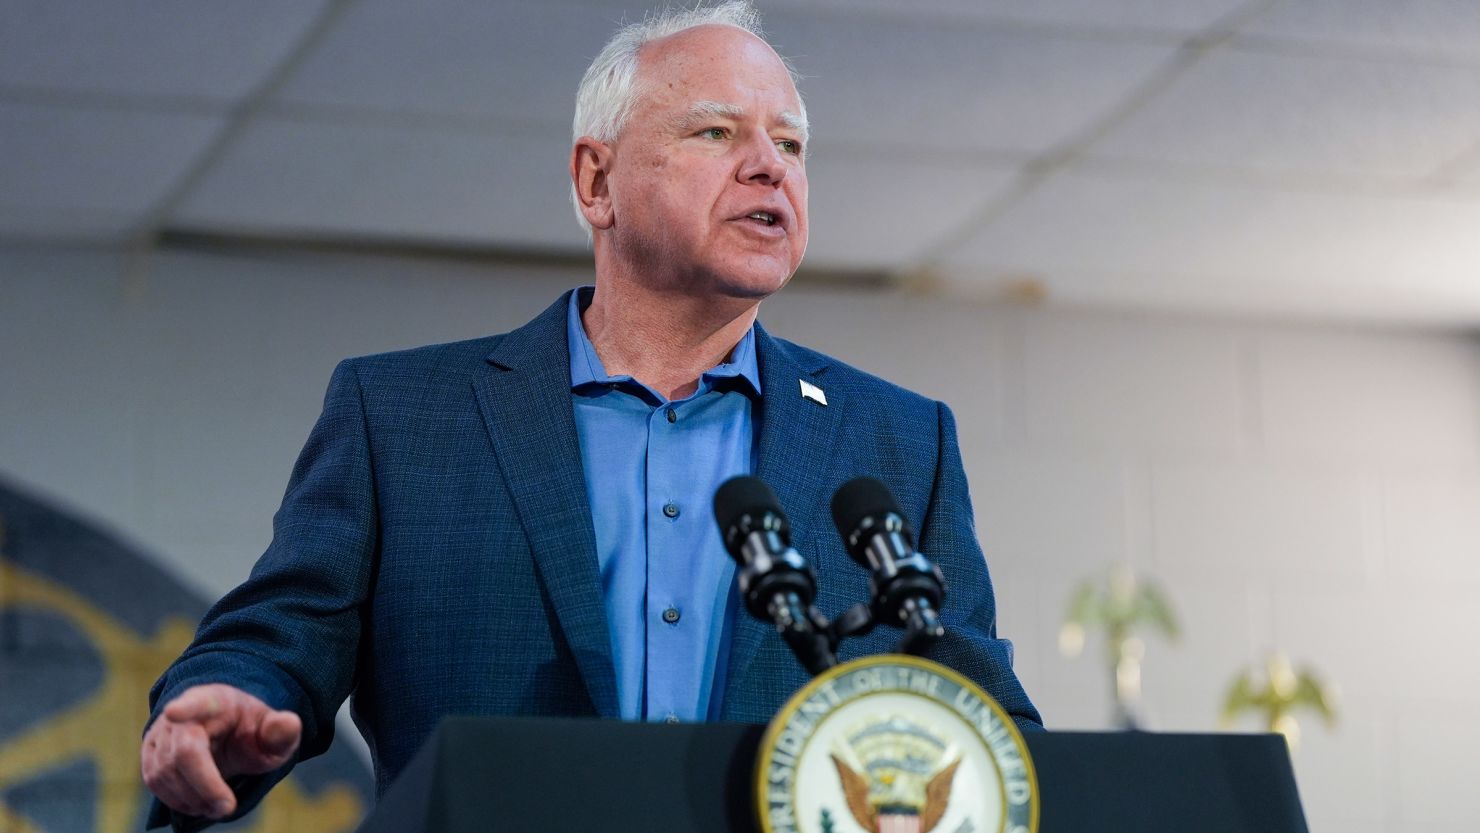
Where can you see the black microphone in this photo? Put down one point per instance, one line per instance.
(907, 588)
(776, 584)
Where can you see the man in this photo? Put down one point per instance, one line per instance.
(519, 524)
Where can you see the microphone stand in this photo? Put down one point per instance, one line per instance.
(922, 625)
(805, 631)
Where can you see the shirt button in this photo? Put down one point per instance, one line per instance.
(671, 615)
(671, 718)
(670, 509)
(672, 415)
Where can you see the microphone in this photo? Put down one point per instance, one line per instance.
(776, 584)
(907, 588)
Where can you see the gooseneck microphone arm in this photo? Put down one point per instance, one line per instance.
(907, 588)
(775, 583)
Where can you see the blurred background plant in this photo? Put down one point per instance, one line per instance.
(1276, 692)
(1120, 604)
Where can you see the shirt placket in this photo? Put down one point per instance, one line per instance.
(672, 632)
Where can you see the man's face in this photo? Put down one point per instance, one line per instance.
(707, 183)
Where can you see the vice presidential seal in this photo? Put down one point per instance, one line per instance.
(894, 744)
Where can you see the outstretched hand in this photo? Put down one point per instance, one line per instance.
(208, 734)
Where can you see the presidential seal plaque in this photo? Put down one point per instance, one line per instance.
(894, 744)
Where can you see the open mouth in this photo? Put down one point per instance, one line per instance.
(763, 216)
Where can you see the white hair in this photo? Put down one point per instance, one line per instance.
(609, 90)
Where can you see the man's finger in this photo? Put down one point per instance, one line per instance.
(197, 769)
(201, 704)
(168, 788)
(164, 778)
(152, 768)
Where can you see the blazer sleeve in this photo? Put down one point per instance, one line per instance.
(948, 537)
(290, 633)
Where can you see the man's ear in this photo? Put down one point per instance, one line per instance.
(590, 162)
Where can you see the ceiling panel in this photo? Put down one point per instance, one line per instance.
(1426, 28)
(880, 211)
(1110, 236)
(157, 47)
(1115, 15)
(1470, 178)
(65, 225)
(519, 61)
(919, 87)
(90, 169)
(447, 122)
(477, 187)
(1251, 296)
(1284, 113)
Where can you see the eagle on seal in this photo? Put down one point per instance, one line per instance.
(891, 817)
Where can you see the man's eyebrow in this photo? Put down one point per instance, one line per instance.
(796, 122)
(701, 110)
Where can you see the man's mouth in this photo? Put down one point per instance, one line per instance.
(764, 216)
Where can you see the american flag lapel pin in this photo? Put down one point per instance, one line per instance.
(812, 392)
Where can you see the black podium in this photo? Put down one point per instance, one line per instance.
(564, 776)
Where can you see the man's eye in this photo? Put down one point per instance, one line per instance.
(713, 133)
(790, 146)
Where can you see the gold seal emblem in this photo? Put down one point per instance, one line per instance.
(894, 744)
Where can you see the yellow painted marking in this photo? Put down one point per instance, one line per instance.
(105, 727)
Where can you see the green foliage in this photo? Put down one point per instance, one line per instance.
(1276, 692)
(1153, 607)
(1121, 604)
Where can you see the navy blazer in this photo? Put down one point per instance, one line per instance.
(435, 554)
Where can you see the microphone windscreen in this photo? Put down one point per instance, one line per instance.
(741, 495)
(860, 498)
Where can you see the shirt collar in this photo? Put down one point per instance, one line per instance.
(740, 369)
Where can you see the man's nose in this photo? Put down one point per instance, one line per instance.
(764, 162)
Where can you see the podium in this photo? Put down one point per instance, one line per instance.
(527, 775)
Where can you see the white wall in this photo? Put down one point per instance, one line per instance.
(1301, 487)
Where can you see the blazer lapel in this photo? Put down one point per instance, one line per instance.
(796, 442)
(525, 400)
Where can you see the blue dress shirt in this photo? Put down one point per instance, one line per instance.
(652, 467)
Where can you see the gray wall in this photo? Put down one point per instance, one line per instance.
(1294, 486)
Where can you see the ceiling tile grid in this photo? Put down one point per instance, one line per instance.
(881, 210)
(1219, 236)
(474, 187)
(514, 61)
(101, 164)
(1168, 16)
(1329, 150)
(1306, 115)
(1425, 29)
(66, 225)
(928, 87)
(217, 51)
